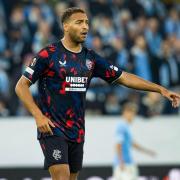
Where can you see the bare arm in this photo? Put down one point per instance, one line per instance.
(23, 92)
(142, 149)
(135, 82)
(119, 153)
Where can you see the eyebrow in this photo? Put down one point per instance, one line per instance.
(80, 20)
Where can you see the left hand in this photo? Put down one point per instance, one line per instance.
(151, 153)
(172, 96)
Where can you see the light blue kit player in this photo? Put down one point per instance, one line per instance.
(124, 166)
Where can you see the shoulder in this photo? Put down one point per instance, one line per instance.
(52, 47)
(47, 51)
(95, 56)
(121, 124)
(89, 52)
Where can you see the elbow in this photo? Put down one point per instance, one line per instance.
(18, 88)
(21, 86)
(123, 79)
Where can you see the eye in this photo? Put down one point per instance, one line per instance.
(78, 22)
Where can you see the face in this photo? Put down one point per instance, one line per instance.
(130, 115)
(77, 27)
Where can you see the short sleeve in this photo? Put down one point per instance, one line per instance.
(105, 70)
(119, 134)
(38, 66)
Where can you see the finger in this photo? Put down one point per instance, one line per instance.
(174, 99)
(176, 102)
(41, 129)
(173, 104)
(175, 95)
(51, 124)
(169, 97)
(47, 129)
(50, 131)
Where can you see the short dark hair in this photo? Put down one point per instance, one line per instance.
(69, 12)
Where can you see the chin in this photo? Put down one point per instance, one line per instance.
(81, 40)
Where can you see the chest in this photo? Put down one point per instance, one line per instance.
(67, 65)
(128, 136)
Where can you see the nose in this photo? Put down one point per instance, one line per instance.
(85, 26)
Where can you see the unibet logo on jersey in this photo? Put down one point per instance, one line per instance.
(76, 83)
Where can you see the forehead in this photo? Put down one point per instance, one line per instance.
(78, 16)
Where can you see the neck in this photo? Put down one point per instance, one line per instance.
(126, 118)
(70, 45)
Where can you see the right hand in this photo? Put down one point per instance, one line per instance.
(43, 124)
(172, 96)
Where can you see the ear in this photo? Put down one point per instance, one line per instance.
(65, 27)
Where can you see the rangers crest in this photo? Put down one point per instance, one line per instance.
(57, 154)
(89, 64)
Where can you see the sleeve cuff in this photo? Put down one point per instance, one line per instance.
(27, 79)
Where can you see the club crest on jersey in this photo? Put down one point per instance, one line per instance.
(62, 63)
(89, 64)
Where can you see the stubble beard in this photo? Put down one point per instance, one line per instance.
(76, 39)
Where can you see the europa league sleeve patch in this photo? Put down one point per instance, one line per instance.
(33, 62)
(105, 70)
(36, 67)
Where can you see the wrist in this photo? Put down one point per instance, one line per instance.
(162, 90)
(37, 114)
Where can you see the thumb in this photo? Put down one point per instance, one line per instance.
(51, 124)
(170, 97)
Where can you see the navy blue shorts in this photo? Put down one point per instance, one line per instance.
(57, 150)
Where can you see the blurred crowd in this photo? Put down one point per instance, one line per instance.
(142, 37)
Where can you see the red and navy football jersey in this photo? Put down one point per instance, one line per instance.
(64, 78)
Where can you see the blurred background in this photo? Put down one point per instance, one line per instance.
(140, 36)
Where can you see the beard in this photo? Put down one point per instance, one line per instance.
(75, 38)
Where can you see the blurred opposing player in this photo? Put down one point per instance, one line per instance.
(124, 166)
(64, 70)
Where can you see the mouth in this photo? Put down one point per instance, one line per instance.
(84, 33)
